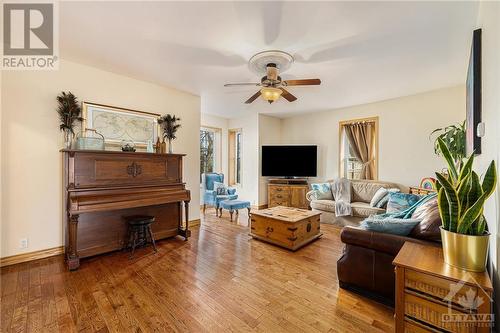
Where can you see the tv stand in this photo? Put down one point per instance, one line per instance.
(288, 181)
(290, 192)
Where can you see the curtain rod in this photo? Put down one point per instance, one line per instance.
(359, 122)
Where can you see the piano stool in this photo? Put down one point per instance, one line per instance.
(138, 231)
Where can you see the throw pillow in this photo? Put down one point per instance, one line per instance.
(383, 202)
(401, 227)
(428, 228)
(401, 201)
(323, 191)
(220, 188)
(381, 192)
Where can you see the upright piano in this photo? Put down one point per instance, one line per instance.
(103, 187)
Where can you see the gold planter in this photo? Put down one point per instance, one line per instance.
(465, 251)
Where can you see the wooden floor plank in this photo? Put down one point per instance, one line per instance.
(8, 284)
(218, 281)
(20, 309)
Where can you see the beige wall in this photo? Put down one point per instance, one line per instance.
(406, 154)
(249, 188)
(30, 143)
(1, 173)
(489, 21)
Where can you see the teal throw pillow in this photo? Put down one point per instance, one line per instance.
(220, 188)
(323, 191)
(401, 201)
(401, 227)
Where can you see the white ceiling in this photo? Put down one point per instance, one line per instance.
(362, 51)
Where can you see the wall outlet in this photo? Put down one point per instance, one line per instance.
(23, 243)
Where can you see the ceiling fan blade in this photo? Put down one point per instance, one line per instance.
(256, 84)
(303, 82)
(253, 98)
(286, 95)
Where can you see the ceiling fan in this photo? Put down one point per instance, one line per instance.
(273, 86)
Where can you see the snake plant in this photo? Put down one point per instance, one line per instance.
(461, 195)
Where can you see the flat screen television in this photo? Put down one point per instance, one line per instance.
(473, 118)
(289, 161)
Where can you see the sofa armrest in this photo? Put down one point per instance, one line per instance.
(231, 190)
(387, 243)
(311, 195)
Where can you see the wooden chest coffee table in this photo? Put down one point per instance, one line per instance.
(288, 227)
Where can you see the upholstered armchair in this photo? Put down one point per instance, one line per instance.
(210, 196)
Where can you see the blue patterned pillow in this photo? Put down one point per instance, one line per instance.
(383, 202)
(401, 201)
(323, 191)
(220, 188)
(401, 227)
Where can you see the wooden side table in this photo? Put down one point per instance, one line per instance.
(432, 296)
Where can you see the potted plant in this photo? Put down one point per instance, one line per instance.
(454, 138)
(69, 112)
(461, 198)
(170, 126)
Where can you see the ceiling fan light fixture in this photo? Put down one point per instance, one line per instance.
(270, 94)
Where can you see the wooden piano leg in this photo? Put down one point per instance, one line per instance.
(186, 209)
(72, 256)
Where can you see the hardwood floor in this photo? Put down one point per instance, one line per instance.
(218, 281)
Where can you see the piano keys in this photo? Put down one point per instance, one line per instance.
(102, 187)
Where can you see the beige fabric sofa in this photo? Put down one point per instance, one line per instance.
(362, 192)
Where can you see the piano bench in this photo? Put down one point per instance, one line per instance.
(138, 232)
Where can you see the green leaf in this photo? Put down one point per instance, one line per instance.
(436, 130)
(438, 186)
(449, 159)
(466, 168)
(476, 191)
(490, 179)
(444, 209)
(471, 215)
(481, 225)
(464, 189)
(453, 201)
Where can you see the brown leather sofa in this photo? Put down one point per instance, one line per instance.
(366, 266)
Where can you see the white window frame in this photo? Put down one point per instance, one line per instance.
(217, 146)
(343, 145)
(232, 157)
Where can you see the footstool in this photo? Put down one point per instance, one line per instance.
(234, 205)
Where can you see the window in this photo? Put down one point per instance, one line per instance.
(359, 148)
(210, 150)
(235, 147)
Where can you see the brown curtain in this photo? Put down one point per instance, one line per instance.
(361, 138)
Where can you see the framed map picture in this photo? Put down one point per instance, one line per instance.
(117, 124)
